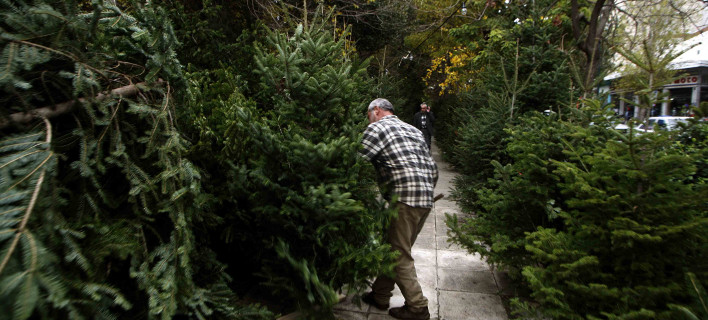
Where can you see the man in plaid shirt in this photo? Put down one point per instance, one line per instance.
(400, 154)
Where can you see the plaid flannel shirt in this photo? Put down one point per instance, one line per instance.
(401, 157)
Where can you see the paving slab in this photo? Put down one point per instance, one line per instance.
(427, 277)
(442, 210)
(443, 243)
(425, 241)
(467, 281)
(348, 304)
(387, 317)
(441, 227)
(424, 257)
(445, 202)
(458, 285)
(431, 293)
(350, 315)
(470, 306)
(461, 260)
(446, 189)
(429, 224)
(396, 301)
(428, 227)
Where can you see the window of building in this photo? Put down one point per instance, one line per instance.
(680, 101)
(628, 107)
(614, 100)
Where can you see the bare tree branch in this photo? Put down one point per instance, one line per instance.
(65, 107)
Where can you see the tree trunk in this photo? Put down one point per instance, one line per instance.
(590, 45)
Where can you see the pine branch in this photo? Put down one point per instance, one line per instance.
(32, 202)
(66, 107)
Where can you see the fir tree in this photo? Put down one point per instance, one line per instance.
(634, 225)
(307, 198)
(100, 206)
(600, 224)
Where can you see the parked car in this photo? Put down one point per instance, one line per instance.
(663, 123)
(622, 127)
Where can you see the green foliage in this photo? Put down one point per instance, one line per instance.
(294, 195)
(602, 225)
(517, 68)
(522, 194)
(596, 223)
(634, 225)
(700, 303)
(100, 221)
(404, 92)
(481, 140)
(211, 32)
(304, 172)
(25, 260)
(503, 145)
(693, 140)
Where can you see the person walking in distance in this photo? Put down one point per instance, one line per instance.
(424, 120)
(399, 153)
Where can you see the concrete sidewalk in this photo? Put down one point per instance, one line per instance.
(458, 285)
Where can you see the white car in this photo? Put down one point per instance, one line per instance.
(624, 128)
(621, 127)
(665, 123)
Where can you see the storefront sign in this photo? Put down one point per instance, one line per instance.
(686, 81)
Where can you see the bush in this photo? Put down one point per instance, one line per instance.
(293, 193)
(520, 197)
(601, 224)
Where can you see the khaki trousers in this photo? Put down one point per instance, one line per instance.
(402, 235)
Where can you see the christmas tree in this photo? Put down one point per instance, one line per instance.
(299, 199)
(100, 207)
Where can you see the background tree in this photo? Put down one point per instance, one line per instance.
(515, 58)
(648, 43)
(590, 23)
(618, 214)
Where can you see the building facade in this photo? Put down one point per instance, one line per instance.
(684, 93)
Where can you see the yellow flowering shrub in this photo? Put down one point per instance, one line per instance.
(450, 71)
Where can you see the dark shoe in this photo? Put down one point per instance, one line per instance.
(369, 299)
(406, 313)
